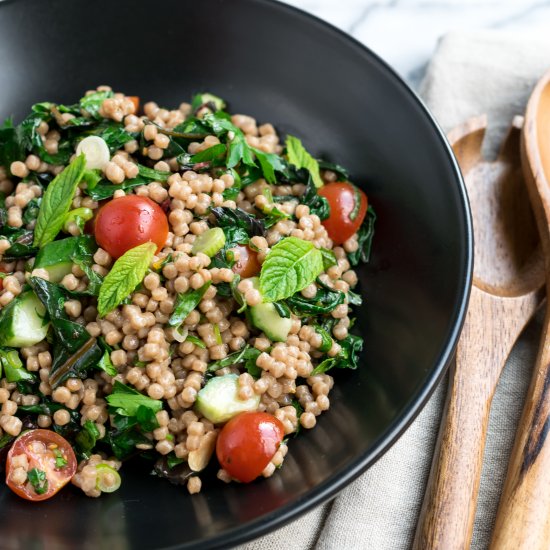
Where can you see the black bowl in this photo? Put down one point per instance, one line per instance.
(283, 66)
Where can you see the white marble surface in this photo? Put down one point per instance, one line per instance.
(405, 32)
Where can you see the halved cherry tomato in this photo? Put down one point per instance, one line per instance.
(247, 443)
(129, 221)
(247, 265)
(342, 197)
(135, 100)
(51, 460)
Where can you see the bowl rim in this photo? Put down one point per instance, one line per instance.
(335, 483)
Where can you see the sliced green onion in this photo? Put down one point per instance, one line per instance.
(218, 334)
(108, 479)
(210, 242)
(95, 150)
(78, 216)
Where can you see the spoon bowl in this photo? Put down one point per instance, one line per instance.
(523, 517)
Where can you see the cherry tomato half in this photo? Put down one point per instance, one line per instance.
(135, 100)
(247, 443)
(51, 464)
(342, 197)
(247, 265)
(129, 221)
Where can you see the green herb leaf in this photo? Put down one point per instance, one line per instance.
(318, 205)
(103, 191)
(209, 100)
(92, 102)
(87, 438)
(151, 174)
(364, 239)
(270, 163)
(326, 339)
(126, 274)
(126, 400)
(38, 479)
(247, 355)
(348, 358)
(60, 460)
(186, 303)
(329, 259)
(57, 201)
(106, 365)
(299, 157)
(291, 265)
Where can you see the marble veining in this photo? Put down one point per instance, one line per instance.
(405, 32)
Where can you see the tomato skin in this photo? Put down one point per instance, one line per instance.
(247, 264)
(247, 443)
(57, 477)
(126, 222)
(135, 100)
(341, 197)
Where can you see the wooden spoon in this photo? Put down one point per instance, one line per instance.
(506, 291)
(523, 517)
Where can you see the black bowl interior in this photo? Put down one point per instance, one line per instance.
(283, 66)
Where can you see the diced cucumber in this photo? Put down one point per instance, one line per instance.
(265, 317)
(57, 257)
(219, 400)
(210, 242)
(23, 322)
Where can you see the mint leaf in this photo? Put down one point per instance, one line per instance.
(127, 401)
(57, 201)
(299, 157)
(291, 265)
(125, 275)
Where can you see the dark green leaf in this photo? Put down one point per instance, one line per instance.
(196, 341)
(186, 303)
(336, 168)
(282, 309)
(206, 157)
(235, 217)
(104, 191)
(354, 299)
(172, 460)
(270, 163)
(152, 174)
(323, 302)
(105, 364)
(11, 148)
(329, 259)
(348, 358)
(364, 238)
(318, 205)
(92, 102)
(244, 355)
(326, 339)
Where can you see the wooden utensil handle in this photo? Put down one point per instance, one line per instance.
(491, 327)
(523, 517)
(447, 516)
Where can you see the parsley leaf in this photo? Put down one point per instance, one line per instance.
(300, 158)
(38, 479)
(127, 401)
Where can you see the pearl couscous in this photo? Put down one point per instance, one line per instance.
(174, 283)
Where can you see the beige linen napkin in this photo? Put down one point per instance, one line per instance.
(470, 74)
